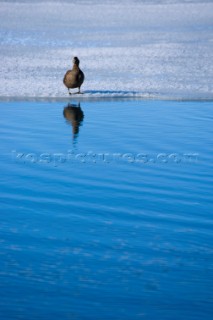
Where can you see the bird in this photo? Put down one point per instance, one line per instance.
(75, 77)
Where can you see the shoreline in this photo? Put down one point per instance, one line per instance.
(75, 98)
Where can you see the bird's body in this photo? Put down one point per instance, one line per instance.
(75, 77)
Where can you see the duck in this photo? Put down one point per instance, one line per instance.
(75, 77)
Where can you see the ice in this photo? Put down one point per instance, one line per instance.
(147, 49)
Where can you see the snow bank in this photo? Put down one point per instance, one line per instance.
(132, 49)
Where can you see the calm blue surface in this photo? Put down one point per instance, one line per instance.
(106, 210)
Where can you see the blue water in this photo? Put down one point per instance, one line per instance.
(106, 210)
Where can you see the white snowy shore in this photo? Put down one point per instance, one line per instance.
(161, 49)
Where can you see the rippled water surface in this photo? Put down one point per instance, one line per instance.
(106, 210)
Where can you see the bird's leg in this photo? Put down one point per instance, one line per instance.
(79, 91)
(69, 92)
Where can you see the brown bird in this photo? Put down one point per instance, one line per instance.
(75, 77)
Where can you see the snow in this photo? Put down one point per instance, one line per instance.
(154, 49)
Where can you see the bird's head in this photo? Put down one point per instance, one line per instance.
(76, 61)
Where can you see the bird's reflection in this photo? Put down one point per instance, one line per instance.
(74, 116)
